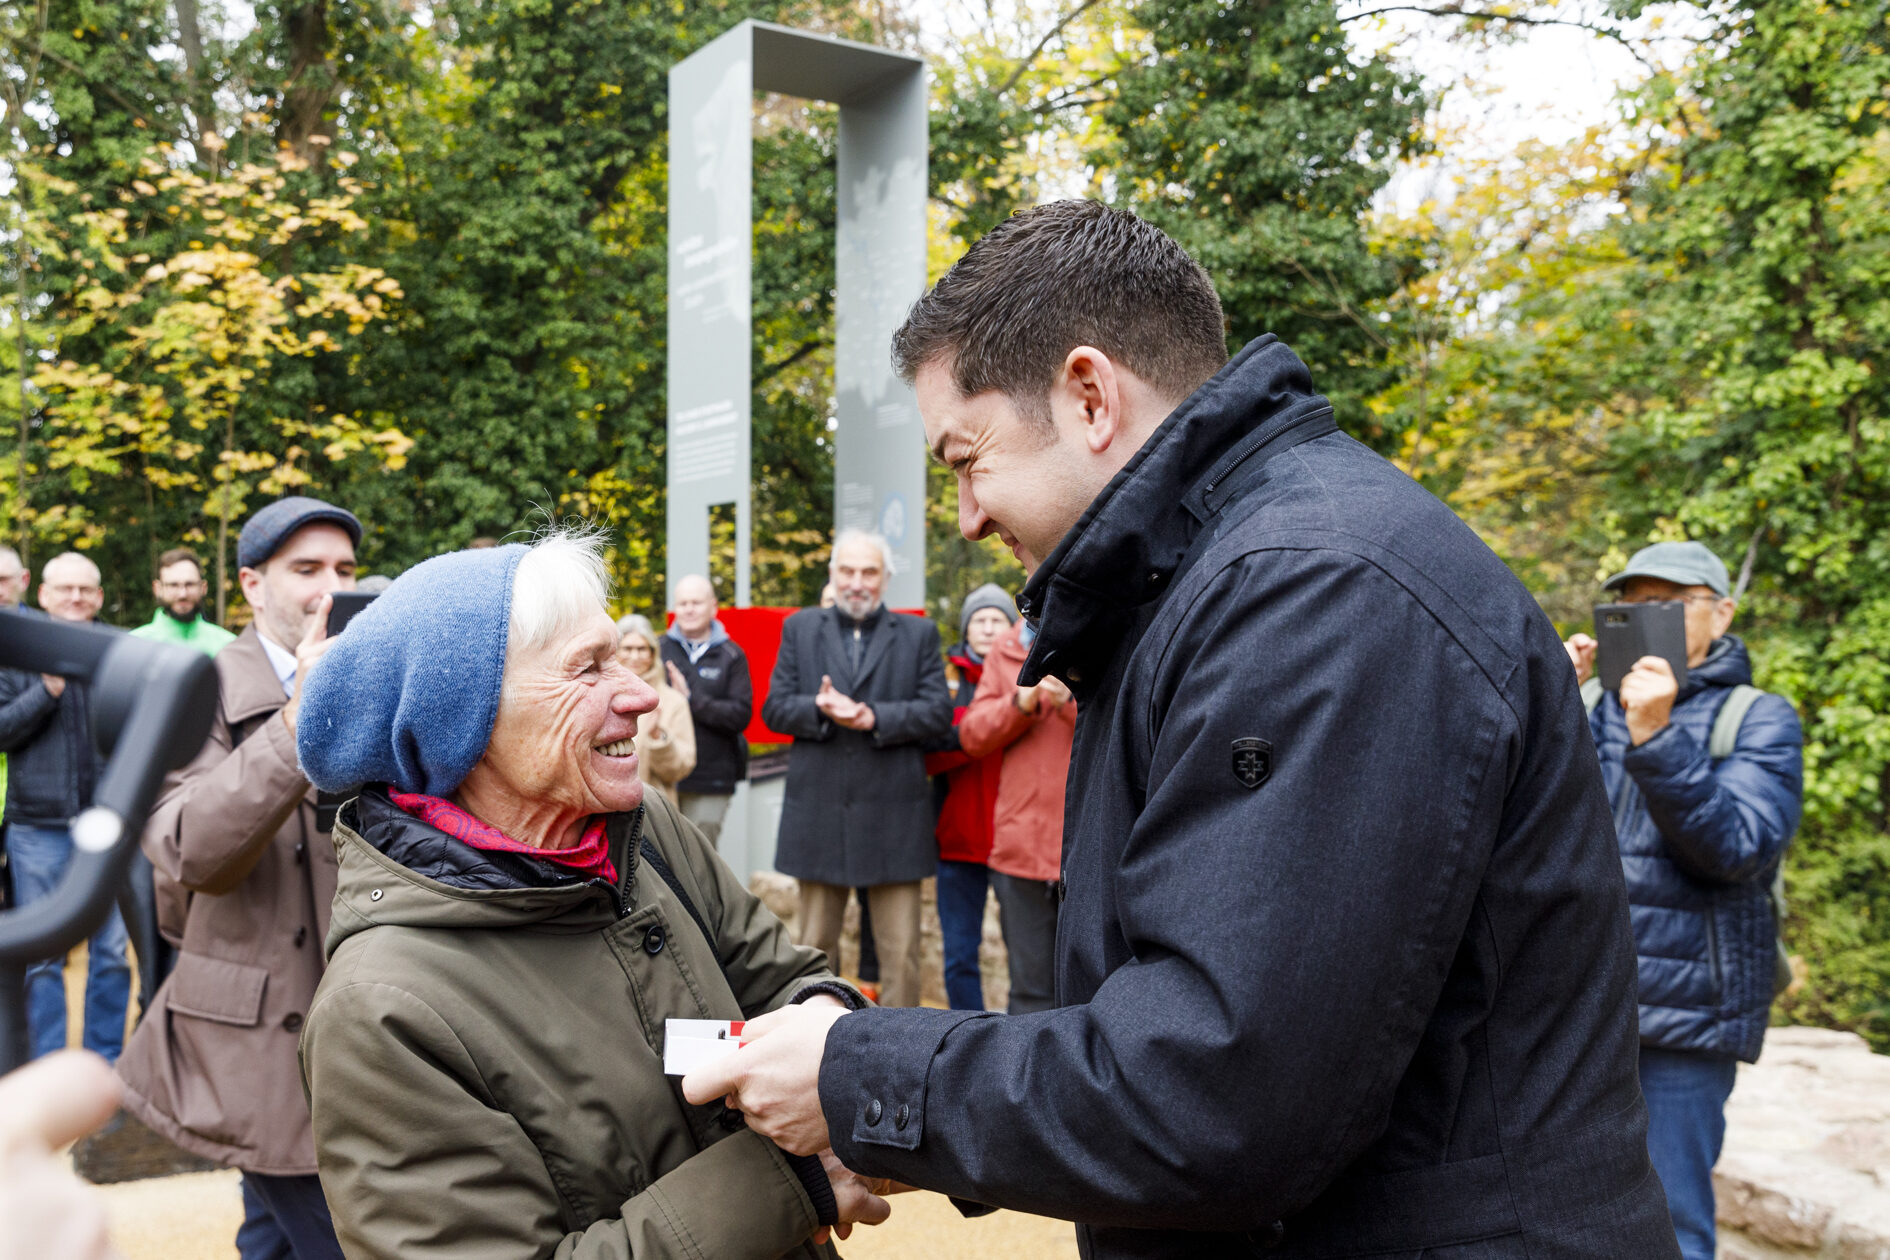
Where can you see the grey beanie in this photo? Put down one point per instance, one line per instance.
(990, 595)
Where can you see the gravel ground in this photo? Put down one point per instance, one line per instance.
(194, 1217)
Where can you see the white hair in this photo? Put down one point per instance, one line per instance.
(637, 623)
(560, 582)
(846, 536)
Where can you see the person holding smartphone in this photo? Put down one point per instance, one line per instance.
(1701, 837)
(245, 878)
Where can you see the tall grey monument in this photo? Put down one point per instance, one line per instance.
(879, 460)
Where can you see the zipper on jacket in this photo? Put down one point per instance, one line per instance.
(1712, 950)
(619, 898)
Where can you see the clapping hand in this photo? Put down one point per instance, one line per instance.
(1581, 654)
(843, 710)
(676, 678)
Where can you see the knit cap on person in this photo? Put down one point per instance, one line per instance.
(990, 595)
(409, 692)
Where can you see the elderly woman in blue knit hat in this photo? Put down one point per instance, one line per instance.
(515, 921)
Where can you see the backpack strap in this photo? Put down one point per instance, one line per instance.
(1732, 713)
(1720, 744)
(1591, 694)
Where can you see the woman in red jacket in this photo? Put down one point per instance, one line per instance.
(1031, 729)
(971, 789)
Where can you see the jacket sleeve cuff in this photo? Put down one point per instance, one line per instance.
(819, 1187)
(1667, 754)
(873, 1078)
(849, 997)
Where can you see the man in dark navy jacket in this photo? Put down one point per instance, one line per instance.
(1701, 837)
(1344, 965)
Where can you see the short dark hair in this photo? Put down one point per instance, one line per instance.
(177, 555)
(1058, 276)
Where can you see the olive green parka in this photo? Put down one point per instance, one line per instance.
(484, 1057)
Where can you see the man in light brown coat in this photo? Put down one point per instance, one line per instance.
(246, 875)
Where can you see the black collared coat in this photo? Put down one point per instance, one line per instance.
(1344, 965)
(858, 808)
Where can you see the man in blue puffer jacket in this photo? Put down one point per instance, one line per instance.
(1701, 838)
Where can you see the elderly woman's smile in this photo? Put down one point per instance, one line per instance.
(563, 747)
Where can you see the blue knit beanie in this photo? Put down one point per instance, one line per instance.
(408, 694)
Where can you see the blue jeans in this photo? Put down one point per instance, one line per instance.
(1686, 1121)
(285, 1218)
(961, 888)
(37, 857)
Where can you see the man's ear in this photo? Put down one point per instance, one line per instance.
(1723, 617)
(1088, 394)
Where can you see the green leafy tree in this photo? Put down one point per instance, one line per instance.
(1257, 137)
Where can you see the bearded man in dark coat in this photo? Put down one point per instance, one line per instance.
(1344, 965)
(860, 688)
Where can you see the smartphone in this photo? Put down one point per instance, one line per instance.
(346, 607)
(1624, 633)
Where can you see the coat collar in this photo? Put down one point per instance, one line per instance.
(877, 624)
(248, 681)
(1132, 541)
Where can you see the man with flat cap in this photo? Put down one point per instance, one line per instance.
(1706, 779)
(245, 877)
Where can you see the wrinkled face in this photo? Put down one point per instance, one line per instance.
(286, 591)
(636, 653)
(1709, 614)
(984, 628)
(180, 588)
(858, 574)
(564, 736)
(695, 606)
(1014, 473)
(69, 589)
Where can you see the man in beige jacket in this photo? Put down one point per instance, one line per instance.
(246, 875)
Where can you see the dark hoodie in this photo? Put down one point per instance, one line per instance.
(1700, 840)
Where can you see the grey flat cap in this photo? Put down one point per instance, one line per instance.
(1683, 563)
(265, 531)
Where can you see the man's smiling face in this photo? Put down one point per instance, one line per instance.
(1017, 477)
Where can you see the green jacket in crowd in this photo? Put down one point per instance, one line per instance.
(206, 636)
(484, 1056)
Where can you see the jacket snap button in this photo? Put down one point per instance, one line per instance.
(902, 1116)
(731, 1119)
(292, 1021)
(653, 941)
(375, 895)
(874, 1111)
(301, 934)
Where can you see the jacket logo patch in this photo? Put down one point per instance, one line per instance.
(1253, 761)
(711, 672)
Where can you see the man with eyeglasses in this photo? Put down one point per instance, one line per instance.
(180, 590)
(1705, 778)
(45, 730)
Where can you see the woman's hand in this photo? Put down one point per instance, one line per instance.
(857, 1198)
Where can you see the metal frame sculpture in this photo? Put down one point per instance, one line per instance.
(879, 451)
